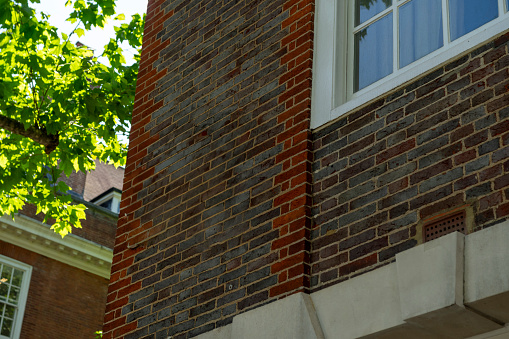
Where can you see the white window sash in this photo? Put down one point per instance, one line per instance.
(332, 92)
(23, 294)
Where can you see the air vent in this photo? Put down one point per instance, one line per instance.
(445, 225)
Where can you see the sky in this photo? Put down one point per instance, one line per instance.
(97, 38)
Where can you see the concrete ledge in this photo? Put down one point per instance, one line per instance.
(293, 317)
(360, 306)
(487, 272)
(453, 287)
(224, 332)
(430, 276)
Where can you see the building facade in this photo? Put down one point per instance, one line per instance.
(54, 287)
(293, 164)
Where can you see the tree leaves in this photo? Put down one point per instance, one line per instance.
(68, 106)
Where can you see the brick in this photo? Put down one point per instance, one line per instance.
(391, 252)
(358, 265)
(490, 201)
(396, 150)
(232, 199)
(401, 102)
(450, 202)
(465, 182)
(392, 225)
(501, 181)
(430, 171)
(490, 173)
(500, 154)
(367, 248)
(441, 179)
(502, 210)
(425, 101)
(330, 262)
(357, 239)
(477, 164)
(431, 197)
(368, 223)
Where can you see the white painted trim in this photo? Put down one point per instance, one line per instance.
(327, 102)
(115, 203)
(25, 284)
(72, 250)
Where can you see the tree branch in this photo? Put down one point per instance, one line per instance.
(36, 133)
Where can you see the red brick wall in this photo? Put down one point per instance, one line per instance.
(231, 202)
(63, 301)
(438, 143)
(99, 226)
(216, 201)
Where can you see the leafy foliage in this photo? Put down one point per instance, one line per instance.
(60, 108)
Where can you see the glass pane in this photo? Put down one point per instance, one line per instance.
(467, 15)
(16, 279)
(13, 295)
(9, 312)
(373, 52)
(6, 327)
(366, 9)
(4, 289)
(6, 273)
(420, 29)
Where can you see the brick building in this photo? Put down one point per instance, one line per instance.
(56, 287)
(293, 166)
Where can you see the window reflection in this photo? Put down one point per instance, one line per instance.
(467, 15)
(366, 9)
(373, 52)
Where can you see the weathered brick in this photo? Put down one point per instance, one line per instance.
(248, 204)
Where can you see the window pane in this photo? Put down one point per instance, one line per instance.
(9, 312)
(467, 15)
(420, 29)
(6, 273)
(6, 327)
(17, 277)
(4, 289)
(373, 53)
(366, 9)
(13, 295)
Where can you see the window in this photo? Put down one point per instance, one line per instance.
(380, 44)
(109, 199)
(107, 204)
(389, 35)
(14, 281)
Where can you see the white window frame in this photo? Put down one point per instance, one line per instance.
(25, 283)
(115, 196)
(332, 88)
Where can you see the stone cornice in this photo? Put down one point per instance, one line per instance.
(37, 237)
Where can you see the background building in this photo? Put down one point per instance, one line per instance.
(293, 163)
(56, 287)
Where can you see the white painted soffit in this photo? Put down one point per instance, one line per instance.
(72, 250)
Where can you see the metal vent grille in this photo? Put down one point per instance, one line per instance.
(448, 224)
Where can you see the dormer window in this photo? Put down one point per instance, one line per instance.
(109, 200)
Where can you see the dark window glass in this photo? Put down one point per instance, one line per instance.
(107, 204)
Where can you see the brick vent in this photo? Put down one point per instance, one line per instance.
(445, 225)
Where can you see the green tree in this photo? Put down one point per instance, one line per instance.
(60, 108)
